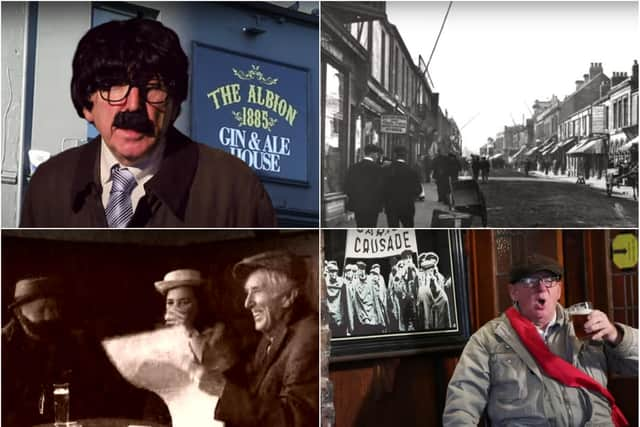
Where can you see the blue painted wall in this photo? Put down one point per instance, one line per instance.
(285, 40)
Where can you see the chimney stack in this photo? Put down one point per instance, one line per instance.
(617, 78)
(595, 69)
(578, 84)
(585, 77)
(634, 74)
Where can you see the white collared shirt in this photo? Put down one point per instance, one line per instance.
(544, 333)
(143, 171)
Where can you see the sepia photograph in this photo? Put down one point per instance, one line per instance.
(160, 328)
(448, 114)
(389, 290)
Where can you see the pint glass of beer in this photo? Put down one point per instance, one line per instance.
(579, 313)
(61, 404)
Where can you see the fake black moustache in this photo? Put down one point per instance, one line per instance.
(134, 120)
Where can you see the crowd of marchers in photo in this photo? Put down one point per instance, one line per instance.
(414, 298)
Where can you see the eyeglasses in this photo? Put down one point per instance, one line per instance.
(547, 282)
(153, 93)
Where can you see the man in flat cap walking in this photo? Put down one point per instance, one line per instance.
(279, 387)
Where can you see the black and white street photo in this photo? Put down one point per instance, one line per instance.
(452, 114)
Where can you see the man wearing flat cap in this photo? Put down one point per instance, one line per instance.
(433, 302)
(338, 305)
(528, 367)
(407, 290)
(39, 350)
(380, 291)
(368, 315)
(279, 387)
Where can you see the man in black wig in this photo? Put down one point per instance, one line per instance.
(129, 80)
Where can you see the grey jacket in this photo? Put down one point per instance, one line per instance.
(496, 372)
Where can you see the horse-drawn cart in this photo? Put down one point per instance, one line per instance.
(621, 176)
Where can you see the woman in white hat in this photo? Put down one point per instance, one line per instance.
(187, 305)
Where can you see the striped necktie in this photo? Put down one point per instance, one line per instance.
(119, 210)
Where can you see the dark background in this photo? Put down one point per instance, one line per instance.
(109, 276)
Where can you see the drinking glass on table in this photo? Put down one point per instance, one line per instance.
(579, 313)
(61, 404)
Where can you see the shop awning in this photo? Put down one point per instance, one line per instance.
(532, 151)
(592, 146)
(579, 145)
(547, 150)
(518, 153)
(628, 145)
(548, 145)
(564, 145)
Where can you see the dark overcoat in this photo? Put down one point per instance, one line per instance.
(281, 385)
(401, 188)
(195, 186)
(364, 187)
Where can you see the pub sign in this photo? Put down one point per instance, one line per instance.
(254, 109)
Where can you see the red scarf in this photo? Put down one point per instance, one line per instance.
(556, 367)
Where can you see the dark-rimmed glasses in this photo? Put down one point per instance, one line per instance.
(547, 282)
(153, 93)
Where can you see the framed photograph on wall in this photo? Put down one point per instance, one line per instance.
(390, 292)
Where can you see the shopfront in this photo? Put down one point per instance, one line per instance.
(346, 124)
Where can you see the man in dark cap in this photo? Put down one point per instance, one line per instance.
(367, 310)
(401, 189)
(279, 387)
(40, 350)
(527, 367)
(363, 187)
(129, 80)
(337, 301)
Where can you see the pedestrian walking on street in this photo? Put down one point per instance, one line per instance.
(427, 167)
(363, 187)
(485, 167)
(441, 175)
(401, 189)
(475, 167)
(453, 167)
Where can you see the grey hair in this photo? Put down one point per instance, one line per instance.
(278, 281)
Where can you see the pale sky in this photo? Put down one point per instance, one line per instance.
(494, 59)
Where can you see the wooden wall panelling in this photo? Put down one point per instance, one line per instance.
(388, 392)
(597, 279)
(482, 284)
(574, 271)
